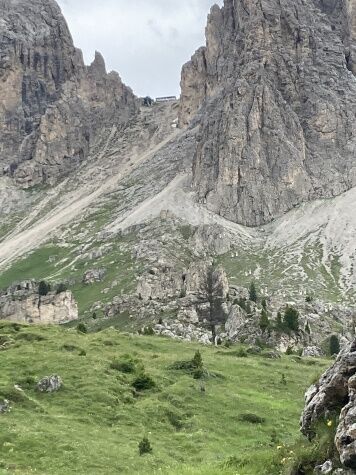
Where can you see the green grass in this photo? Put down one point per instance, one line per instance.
(59, 264)
(36, 265)
(94, 423)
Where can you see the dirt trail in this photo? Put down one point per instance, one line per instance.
(21, 242)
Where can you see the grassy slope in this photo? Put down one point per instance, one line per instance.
(93, 425)
(292, 270)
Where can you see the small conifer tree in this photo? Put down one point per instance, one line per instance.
(43, 288)
(334, 345)
(197, 361)
(144, 447)
(253, 292)
(264, 320)
(279, 322)
(291, 319)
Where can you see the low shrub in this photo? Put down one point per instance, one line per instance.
(144, 447)
(30, 337)
(175, 419)
(28, 382)
(61, 288)
(70, 348)
(198, 373)
(148, 331)
(251, 418)
(82, 328)
(124, 365)
(143, 382)
(191, 366)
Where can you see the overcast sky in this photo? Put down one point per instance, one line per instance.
(146, 41)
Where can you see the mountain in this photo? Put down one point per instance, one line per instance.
(162, 216)
(276, 93)
(52, 105)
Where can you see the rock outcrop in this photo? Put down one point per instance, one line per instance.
(4, 406)
(336, 393)
(276, 95)
(51, 104)
(22, 303)
(50, 384)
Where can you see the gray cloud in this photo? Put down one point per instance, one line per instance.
(146, 41)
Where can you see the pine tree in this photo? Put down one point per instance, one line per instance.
(43, 288)
(291, 319)
(279, 322)
(264, 320)
(197, 361)
(334, 345)
(253, 292)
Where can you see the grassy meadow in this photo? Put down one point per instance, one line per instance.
(230, 421)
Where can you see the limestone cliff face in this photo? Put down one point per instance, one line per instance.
(276, 97)
(22, 303)
(51, 104)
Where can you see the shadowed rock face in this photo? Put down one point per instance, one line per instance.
(336, 392)
(278, 97)
(51, 104)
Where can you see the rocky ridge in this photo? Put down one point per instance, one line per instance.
(275, 95)
(22, 303)
(52, 105)
(139, 175)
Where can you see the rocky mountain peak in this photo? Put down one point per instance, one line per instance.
(51, 105)
(98, 66)
(275, 98)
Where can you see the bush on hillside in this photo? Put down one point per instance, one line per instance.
(143, 382)
(61, 288)
(82, 328)
(334, 345)
(43, 288)
(144, 447)
(291, 319)
(126, 365)
(148, 331)
(252, 418)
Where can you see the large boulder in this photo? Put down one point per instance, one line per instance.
(50, 384)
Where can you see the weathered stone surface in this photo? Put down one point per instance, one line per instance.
(94, 275)
(324, 469)
(4, 406)
(22, 303)
(277, 96)
(331, 391)
(336, 391)
(51, 104)
(312, 352)
(50, 384)
(346, 432)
